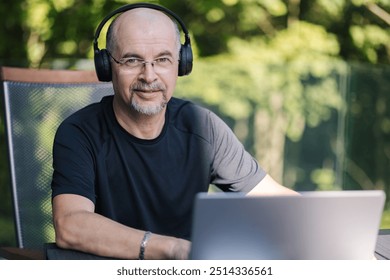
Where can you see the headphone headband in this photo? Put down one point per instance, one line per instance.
(135, 6)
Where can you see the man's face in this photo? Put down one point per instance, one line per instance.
(146, 49)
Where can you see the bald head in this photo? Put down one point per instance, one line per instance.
(142, 22)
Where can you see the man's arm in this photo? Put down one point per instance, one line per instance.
(78, 227)
(268, 186)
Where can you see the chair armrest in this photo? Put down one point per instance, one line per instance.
(14, 253)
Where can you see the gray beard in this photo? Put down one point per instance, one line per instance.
(149, 110)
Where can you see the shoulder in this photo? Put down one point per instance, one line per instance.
(186, 114)
(90, 112)
(88, 120)
(186, 108)
(192, 118)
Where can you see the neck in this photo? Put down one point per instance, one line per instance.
(140, 125)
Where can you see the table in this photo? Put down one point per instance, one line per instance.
(382, 248)
(14, 253)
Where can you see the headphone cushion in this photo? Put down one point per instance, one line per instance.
(103, 65)
(185, 64)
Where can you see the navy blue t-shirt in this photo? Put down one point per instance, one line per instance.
(149, 184)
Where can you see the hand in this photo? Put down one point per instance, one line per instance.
(180, 249)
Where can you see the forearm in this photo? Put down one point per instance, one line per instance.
(268, 186)
(92, 233)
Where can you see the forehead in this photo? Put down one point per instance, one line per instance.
(145, 30)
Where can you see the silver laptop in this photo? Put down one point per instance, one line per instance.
(329, 225)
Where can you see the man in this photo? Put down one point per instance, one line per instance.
(132, 164)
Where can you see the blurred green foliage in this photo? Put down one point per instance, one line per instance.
(303, 83)
(45, 30)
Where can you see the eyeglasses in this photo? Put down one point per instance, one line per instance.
(134, 64)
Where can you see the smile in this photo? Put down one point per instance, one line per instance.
(147, 91)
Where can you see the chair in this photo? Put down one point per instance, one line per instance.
(35, 102)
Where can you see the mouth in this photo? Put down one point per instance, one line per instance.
(147, 91)
(148, 95)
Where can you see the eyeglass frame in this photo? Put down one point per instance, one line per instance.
(141, 62)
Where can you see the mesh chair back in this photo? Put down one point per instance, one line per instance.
(35, 102)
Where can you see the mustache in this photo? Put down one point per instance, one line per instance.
(142, 86)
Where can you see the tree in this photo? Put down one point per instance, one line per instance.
(46, 30)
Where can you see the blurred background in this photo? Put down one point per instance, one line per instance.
(304, 84)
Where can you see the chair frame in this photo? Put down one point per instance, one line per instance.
(28, 75)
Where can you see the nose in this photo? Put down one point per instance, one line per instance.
(148, 73)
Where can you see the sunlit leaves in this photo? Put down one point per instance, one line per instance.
(67, 47)
(60, 5)
(215, 15)
(230, 2)
(324, 178)
(333, 7)
(303, 37)
(369, 39)
(276, 8)
(50, 25)
(39, 25)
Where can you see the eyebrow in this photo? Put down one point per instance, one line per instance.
(135, 55)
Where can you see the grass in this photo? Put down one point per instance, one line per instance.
(385, 223)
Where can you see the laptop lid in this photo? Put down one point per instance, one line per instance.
(316, 225)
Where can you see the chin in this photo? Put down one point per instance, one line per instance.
(149, 110)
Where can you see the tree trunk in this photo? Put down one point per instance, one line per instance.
(270, 133)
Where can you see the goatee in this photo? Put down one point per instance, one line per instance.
(153, 109)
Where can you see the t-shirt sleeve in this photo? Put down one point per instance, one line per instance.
(233, 168)
(73, 163)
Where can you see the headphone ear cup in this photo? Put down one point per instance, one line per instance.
(185, 63)
(103, 65)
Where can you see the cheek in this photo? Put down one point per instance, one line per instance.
(171, 84)
(121, 84)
